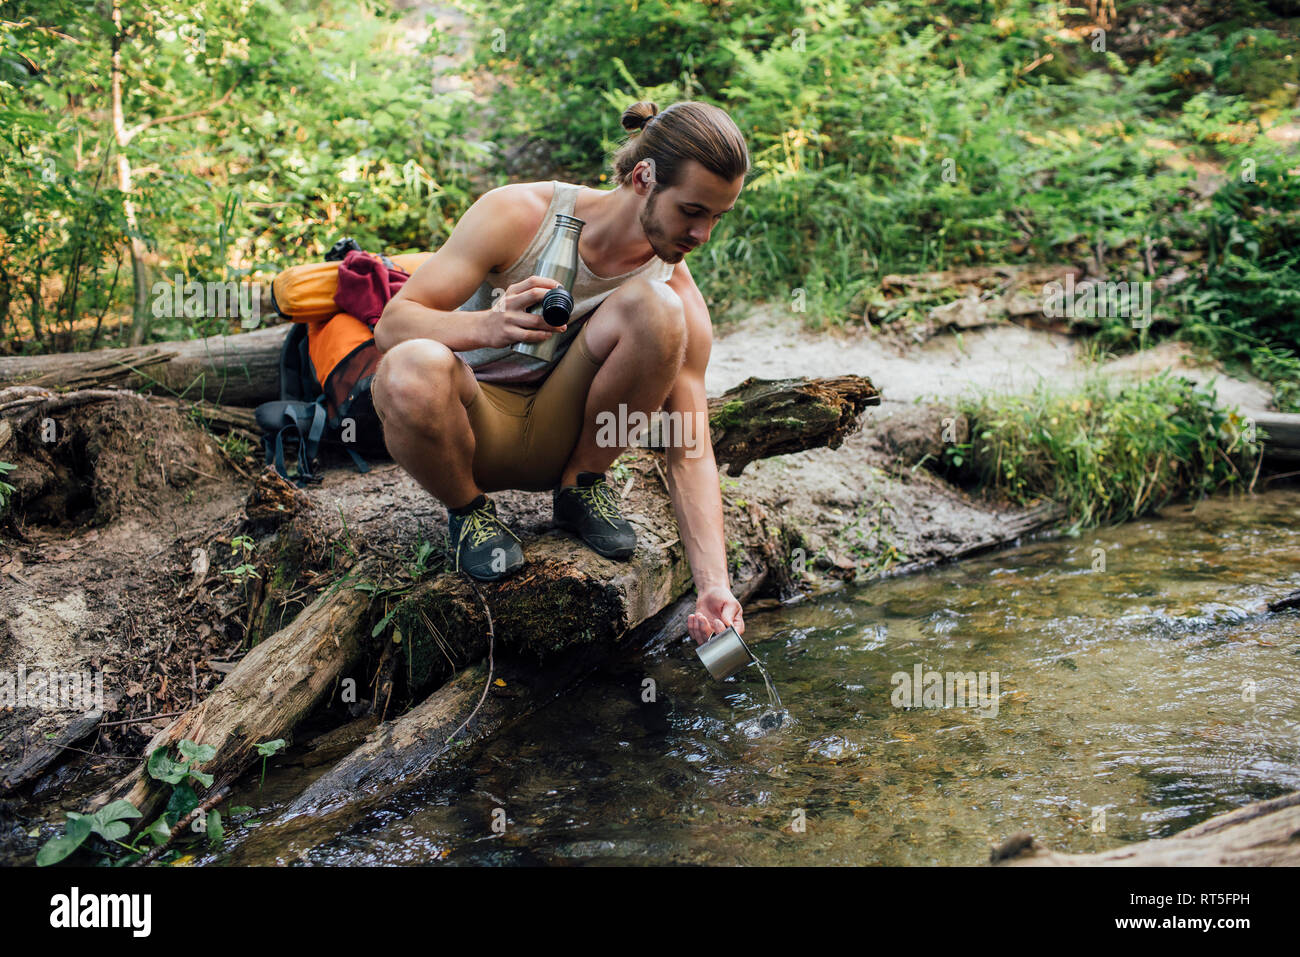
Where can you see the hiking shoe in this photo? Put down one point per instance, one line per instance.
(484, 548)
(590, 508)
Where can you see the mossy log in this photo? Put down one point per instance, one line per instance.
(413, 742)
(452, 724)
(1260, 834)
(761, 418)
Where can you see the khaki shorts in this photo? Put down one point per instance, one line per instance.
(524, 434)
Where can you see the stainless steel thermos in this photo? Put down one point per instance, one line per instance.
(559, 261)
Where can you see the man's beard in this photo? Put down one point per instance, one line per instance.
(664, 246)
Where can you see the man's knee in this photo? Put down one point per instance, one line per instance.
(415, 378)
(653, 316)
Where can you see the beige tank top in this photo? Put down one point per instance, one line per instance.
(589, 291)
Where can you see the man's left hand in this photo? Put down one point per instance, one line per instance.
(716, 610)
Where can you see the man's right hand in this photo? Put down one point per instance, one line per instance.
(507, 321)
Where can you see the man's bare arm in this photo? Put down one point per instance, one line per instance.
(426, 307)
(693, 478)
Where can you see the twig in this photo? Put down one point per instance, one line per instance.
(147, 717)
(1280, 475)
(215, 797)
(110, 757)
(1259, 461)
(186, 465)
(486, 685)
(662, 478)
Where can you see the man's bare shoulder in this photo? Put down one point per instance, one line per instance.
(515, 212)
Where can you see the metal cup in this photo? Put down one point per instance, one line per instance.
(724, 654)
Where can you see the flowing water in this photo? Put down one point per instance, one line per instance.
(1133, 684)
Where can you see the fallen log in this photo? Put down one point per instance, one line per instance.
(1014, 527)
(1281, 439)
(412, 743)
(275, 685)
(568, 597)
(409, 748)
(761, 418)
(43, 753)
(239, 370)
(21, 404)
(1260, 834)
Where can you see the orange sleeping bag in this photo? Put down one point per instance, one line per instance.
(306, 293)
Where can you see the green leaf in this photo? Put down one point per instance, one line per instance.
(117, 811)
(159, 830)
(56, 849)
(163, 768)
(202, 777)
(113, 830)
(182, 801)
(197, 753)
(216, 831)
(268, 748)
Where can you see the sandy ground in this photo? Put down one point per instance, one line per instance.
(866, 499)
(770, 343)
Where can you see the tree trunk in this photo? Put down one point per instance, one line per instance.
(450, 725)
(1281, 438)
(275, 686)
(414, 742)
(761, 418)
(139, 267)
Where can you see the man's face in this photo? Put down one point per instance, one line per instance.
(684, 215)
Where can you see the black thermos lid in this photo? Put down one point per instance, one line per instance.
(557, 306)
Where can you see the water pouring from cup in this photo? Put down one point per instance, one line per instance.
(726, 654)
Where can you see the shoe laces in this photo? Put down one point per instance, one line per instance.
(601, 498)
(480, 525)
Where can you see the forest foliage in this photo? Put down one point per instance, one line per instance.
(899, 136)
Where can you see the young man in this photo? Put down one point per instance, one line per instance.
(465, 414)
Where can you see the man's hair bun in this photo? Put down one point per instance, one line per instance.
(636, 116)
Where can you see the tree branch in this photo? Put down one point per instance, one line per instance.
(158, 121)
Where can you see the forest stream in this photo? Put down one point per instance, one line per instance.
(1135, 685)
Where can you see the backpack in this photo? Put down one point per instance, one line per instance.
(336, 407)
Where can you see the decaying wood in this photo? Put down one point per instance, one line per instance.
(20, 405)
(239, 370)
(1281, 439)
(273, 687)
(761, 418)
(1260, 834)
(1017, 525)
(43, 753)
